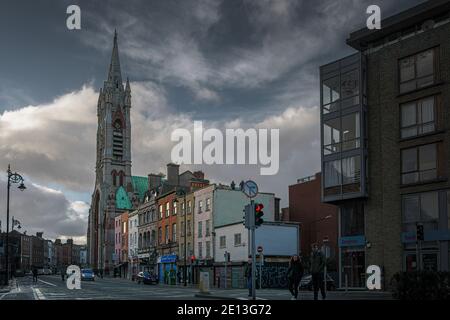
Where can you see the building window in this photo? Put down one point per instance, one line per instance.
(237, 239)
(160, 211)
(182, 250)
(208, 204)
(200, 231)
(189, 206)
(352, 219)
(419, 164)
(167, 234)
(200, 250)
(207, 222)
(341, 134)
(417, 71)
(208, 249)
(175, 208)
(159, 235)
(189, 228)
(418, 117)
(174, 232)
(345, 171)
(183, 208)
(200, 206)
(330, 94)
(182, 228)
(222, 242)
(153, 239)
(421, 207)
(167, 209)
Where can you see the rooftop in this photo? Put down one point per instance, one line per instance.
(432, 9)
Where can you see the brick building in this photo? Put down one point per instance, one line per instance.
(319, 221)
(386, 141)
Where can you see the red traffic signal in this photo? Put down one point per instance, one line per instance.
(258, 214)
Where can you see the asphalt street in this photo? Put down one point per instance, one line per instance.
(53, 288)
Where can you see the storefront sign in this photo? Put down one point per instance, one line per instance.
(168, 259)
(352, 241)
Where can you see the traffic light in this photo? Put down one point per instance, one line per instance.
(258, 214)
(419, 232)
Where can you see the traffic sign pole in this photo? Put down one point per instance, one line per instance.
(253, 257)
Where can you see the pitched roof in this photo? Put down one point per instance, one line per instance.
(122, 200)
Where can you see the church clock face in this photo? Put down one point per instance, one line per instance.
(117, 125)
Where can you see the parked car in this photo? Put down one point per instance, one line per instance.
(306, 283)
(87, 274)
(146, 277)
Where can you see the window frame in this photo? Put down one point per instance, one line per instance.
(418, 171)
(419, 125)
(435, 52)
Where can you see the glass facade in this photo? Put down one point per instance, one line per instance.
(343, 128)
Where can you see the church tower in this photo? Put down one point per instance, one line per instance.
(113, 193)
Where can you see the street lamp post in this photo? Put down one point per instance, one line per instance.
(183, 193)
(13, 177)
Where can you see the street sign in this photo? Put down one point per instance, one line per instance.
(250, 189)
(260, 249)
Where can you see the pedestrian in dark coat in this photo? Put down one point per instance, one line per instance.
(317, 271)
(294, 275)
(248, 276)
(35, 274)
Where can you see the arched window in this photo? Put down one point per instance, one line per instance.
(140, 240)
(114, 177)
(145, 240)
(121, 175)
(148, 239)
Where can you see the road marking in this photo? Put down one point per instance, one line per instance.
(50, 284)
(38, 295)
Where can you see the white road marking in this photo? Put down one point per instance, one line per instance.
(50, 284)
(38, 295)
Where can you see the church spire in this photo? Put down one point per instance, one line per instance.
(115, 75)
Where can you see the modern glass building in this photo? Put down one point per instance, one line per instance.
(385, 138)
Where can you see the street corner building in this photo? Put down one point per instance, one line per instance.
(385, 145)
(116, 190)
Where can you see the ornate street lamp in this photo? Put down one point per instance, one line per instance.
(13, 177)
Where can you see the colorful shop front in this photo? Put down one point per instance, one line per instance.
(167, 269)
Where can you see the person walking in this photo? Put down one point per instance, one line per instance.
(294, 275)
(63, 272)
(248, 276)
(317, 270)
(35, 274)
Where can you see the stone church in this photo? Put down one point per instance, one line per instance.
(116, 190)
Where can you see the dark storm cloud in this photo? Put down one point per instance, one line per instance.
(227, 62)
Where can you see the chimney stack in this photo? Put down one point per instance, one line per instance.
(173, 171)
(154, 180)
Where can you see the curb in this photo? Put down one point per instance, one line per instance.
(213, 297)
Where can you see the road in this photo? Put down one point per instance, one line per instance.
(53, 288)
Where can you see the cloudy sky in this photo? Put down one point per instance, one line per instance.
(233, 63)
